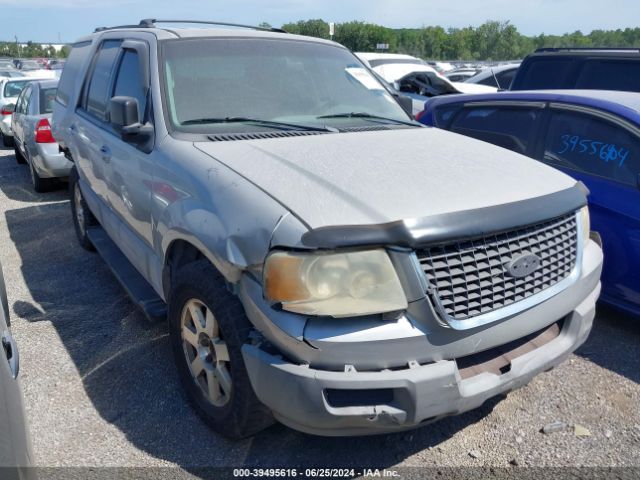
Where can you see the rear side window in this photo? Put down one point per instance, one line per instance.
(592, 145)
(23, 100)
(541, 73)
(489, 81)
(129, 80)
(505, 78)
(100, 81)
(71, 71)
(444, 114)
(610, 75)
(47, 97)
(508, 127)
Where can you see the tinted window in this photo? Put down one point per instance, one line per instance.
(592, 145)
(610, 75)
(544, 73)
(444, 113)
(13, 89)
(505, 78)
(71, 71)
(96, 102)
(428, 84)
(507, 127)
(490, 81)
(129, 80)
(47, 97)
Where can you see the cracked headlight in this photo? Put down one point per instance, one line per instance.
(585, 224)
(334, 284)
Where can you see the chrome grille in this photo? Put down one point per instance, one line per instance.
(470, 278)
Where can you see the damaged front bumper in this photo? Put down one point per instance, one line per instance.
(360, 403)
(329, 381)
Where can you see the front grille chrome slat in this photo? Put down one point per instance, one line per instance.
(470, 278)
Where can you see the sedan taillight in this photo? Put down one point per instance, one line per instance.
(43, 132)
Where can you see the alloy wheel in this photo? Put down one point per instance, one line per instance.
(77, 201)
(206, 352)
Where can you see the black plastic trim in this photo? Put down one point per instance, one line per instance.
(451, 226)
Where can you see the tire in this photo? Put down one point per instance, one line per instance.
(40, 185)
(83, 219)
(234, 412)
(19, 157)
(7, 141)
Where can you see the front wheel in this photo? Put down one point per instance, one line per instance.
(83, 219)
(208, 327)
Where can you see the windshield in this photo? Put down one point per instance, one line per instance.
(5, 64)
(13, 89)
(276, 80)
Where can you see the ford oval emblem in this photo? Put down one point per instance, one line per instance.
(523, 265)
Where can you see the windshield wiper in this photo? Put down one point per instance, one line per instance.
(259, 121)
(371, 116)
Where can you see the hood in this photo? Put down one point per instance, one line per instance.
(384, 176)
(392, 72)
(464, 87)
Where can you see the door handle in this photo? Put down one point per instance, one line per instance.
(105, 154)
(11, 352)
(72, 127)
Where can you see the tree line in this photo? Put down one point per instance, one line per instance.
(493, 40)
(31, 50)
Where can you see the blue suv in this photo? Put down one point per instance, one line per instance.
(592, 135)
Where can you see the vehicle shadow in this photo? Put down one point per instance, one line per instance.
(16, 182)
(127, 370)
(613, 342)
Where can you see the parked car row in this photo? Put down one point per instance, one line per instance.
(592, 135)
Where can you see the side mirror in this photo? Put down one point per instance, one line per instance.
(124, 112)
(406, 103)
(9, 108)
(125, 117)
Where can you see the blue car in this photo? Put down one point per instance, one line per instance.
(592, 135)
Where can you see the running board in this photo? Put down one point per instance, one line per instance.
(140, 291)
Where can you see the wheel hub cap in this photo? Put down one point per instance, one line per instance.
(206, 352)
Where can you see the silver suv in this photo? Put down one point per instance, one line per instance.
(322, 259)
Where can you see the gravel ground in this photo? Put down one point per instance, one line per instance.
(101, 390)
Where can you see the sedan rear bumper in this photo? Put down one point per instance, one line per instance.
(49, 162)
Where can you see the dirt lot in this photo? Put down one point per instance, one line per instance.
(101, 389)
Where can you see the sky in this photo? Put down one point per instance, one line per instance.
(66, 20)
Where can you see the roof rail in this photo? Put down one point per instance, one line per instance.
(588, 49)
(102, 29)
(151, 23)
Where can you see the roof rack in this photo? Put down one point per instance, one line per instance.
(587, 49)
(151, 23)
